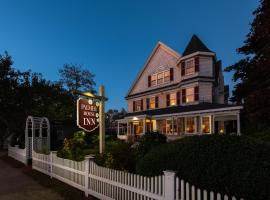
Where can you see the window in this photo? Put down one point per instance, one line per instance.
(160, 78)
(190, 125)
(206, 124)
(189, 95)
(190, 67)
(171, 126)
(138, 105)
(173, 99)
(154, 80)
(166, 76)
(152, 103)
(180, 125)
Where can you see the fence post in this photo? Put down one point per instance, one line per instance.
(169, 185)
(51, 163)
(86, 175)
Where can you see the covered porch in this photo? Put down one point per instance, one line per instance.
(178, 125)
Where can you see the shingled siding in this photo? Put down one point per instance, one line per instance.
(205, 95)
(162, 60)
(206, 66)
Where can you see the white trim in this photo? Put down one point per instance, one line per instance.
(195, 54)
(236, 108)
(159, 44)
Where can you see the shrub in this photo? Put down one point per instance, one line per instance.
(73, 148)
(148, 141)
(228, 164)
(118, 155)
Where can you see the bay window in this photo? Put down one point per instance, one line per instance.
(190, 67)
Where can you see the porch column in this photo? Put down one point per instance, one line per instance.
(213, 124)
(144, 126)
(118, 128)
(238, 124)
(172, 126)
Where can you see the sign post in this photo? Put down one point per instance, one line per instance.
(102, 120)
(91, 114)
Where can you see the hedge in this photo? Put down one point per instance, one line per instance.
(233, 165)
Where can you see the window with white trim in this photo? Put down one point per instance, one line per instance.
(154, 80)
(172, 99)
(190, 67)
(190, 125)
(206, 125)
(166, 76)
(189, 95)
(152, 103)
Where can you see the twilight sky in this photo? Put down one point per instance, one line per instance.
(113, 38)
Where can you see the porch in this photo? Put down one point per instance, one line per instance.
(178, 125)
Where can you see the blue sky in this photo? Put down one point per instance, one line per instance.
(114, 38)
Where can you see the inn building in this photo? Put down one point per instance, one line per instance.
(180, 95)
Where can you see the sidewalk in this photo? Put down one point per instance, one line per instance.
(19, 182)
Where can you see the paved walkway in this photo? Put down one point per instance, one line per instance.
(16, 185)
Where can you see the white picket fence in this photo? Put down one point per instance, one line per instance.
(105, 183)
(17, 153)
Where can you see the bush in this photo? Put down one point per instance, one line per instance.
(118, 155)
(149, 141)
(228, 164)
(73, 148)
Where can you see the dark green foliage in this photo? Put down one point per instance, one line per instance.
(231, 165)
(119, 155)
(253, 71)
(148, 141)
(73, 148)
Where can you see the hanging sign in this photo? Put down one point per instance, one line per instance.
(87, 114)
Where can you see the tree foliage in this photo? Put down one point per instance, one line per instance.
(252, 73)
(73, 77)
(28, 93)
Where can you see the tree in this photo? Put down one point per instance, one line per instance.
(27, 93)
(252, 73)
(73, 77)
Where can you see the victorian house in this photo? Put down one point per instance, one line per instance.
(180, 95)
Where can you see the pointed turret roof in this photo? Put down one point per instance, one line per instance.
(194, 45)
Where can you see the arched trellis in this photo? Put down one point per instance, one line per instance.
(35, 129)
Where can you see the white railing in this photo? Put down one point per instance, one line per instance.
(17, 153)
(105, 183)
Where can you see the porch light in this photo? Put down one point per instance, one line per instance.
(135, 118)
(221, 130)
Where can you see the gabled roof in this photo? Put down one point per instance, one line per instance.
(194, 45)
(173, 52)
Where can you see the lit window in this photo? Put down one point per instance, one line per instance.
(152, 103)
(189, 95)
(190, 67)
(173, 99)
(206, 124)
(160, 78)
(166, 76)
(154, 80)
(138, 105)
(190, 125)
